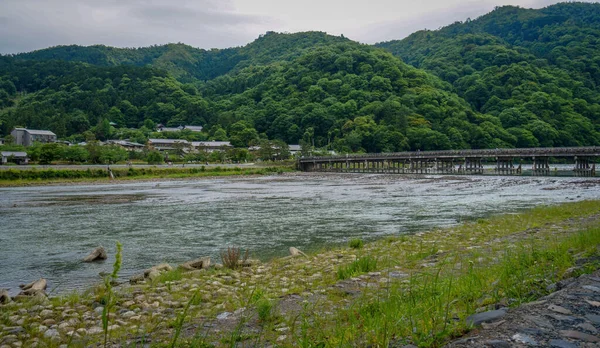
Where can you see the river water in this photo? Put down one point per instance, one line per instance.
(46, 231)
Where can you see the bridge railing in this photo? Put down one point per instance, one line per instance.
(593, 151)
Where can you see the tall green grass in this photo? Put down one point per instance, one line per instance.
(432, 305)
(361, 265)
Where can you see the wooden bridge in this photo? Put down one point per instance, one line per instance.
(502, 161)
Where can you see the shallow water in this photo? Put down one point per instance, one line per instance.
(46, 231)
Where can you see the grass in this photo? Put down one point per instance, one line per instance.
(423, 309)
(362, 265)
(23, 177)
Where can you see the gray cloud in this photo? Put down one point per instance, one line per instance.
(32, 24)
(26, 25)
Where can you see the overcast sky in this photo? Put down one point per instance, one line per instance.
(27, 25)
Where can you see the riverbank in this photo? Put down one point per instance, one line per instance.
(50, 176)
(399, 290)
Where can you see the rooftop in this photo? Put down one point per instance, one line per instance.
(14, 153)
(210, 143)
(168, 141)
(36, 131)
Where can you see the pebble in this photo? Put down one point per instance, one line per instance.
(223, 315)
(477, 319)
(52, 333)
(579, 336)
(592, 288)
(94, 330)
(561, 344)
(588, 327)
(46, 313)
(128, 314)
(498, 344)
(559, 309)
(593, 318)
(525, 339)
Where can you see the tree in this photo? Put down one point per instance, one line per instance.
(50, 152)
(154, 157)
(75, 153)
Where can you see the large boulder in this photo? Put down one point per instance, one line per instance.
(97, 254)
(34, 288)
(4, 296)
(296, 252)
(200, 263)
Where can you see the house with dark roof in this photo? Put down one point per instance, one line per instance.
(194, 128)
(210, 146)
(168, 144)
(27, 137)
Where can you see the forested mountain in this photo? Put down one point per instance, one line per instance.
(511, 78)
(537, 70)
(188, 63)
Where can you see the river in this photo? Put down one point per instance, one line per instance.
(46, 231)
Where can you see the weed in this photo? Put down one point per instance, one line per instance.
(110, 297)
(356, 243)
(231, 257)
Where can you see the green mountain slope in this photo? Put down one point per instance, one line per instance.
(187, 63)
(537, 70)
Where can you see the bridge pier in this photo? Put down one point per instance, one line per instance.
(444, 166)
(473, 165)
(541, 166)
(583, 167)
(504, 165)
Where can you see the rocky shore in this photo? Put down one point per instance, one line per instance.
(302, 298)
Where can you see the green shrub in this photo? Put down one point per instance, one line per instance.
(356, 243)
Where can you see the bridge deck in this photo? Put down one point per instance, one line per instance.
(455, 161)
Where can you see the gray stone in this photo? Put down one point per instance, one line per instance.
(223, 315)
(521, 338)
(559, 309)
(52, 333)
(14, 330)
(485, 317)
(561, 344)
(34, 288)
(587, 327)
(579, 336)
(397, 275)
(539, 321)
(562, 317)
(128, 314)
(296, 252)
(593, 318)
(96, 255)
(497, 344)
(200, 263)
(592, 288)
(4, 296)
(531, 331)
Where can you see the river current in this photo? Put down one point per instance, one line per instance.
(46, 231)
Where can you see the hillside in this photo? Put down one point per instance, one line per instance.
(537, 70)
(188, 63)
(512, 78)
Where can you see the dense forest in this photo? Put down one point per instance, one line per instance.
(512, 78)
